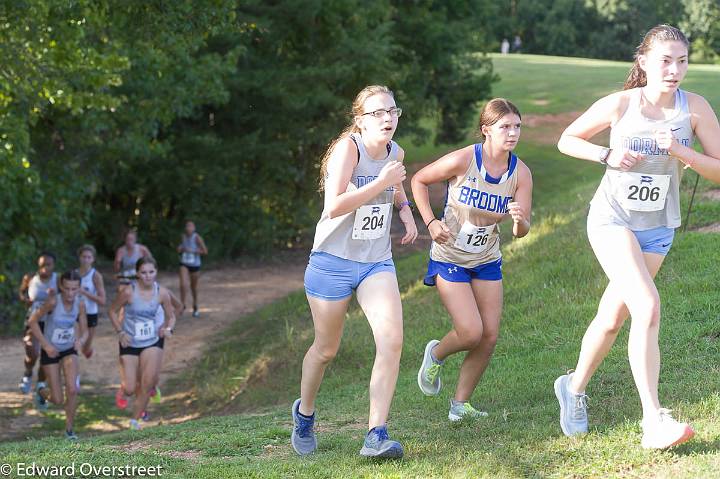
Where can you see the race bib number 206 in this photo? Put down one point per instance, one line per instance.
(643, 192)
(371, 221)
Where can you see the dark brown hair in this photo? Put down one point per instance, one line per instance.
(71, 275)
(661, 33)
(145, 260)
(493, 111)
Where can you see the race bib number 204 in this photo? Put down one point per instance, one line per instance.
(371, 221)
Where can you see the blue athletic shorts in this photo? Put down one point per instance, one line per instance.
(656, 240)
(332, 278)
(457, 274)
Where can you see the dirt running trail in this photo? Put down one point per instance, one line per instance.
(226, 294)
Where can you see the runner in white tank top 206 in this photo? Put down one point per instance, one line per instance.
(633, 216)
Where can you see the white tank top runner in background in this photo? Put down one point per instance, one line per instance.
(362, 235)
(87, 284)
(190, 255)
(60, 325)
(647, 196)
(475, 204)
(128, 262)
(38, 292)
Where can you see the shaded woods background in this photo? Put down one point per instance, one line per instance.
(141, 114)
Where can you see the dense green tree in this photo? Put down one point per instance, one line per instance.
(118, 114)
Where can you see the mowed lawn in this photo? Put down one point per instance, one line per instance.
(552, 285)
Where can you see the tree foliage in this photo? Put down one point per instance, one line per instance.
(141, 114)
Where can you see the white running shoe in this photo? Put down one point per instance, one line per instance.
(664, 431)
(573, 407)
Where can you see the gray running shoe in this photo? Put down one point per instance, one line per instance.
(378, 444)
(464, 410)
(303, 437)
(573, 407)
(429, 373)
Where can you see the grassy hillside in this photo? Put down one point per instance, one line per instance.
(552, 285)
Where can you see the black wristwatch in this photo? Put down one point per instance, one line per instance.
(604, 155)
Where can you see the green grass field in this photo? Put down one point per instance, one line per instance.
(552, 285)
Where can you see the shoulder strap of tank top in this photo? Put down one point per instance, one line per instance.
(682, 98)
(352, 137)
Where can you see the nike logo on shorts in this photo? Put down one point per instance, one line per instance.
(666, 245)
(675, 129)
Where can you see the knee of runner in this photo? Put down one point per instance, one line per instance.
(647, 313)
(72, 391)
(391, 344)
(470, 338)
(56, 397)
(489, 338)
(612, 325)
(326, 353)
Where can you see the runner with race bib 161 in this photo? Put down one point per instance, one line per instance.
(486, 184)
(633, 216)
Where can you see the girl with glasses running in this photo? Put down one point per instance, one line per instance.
(362, 174)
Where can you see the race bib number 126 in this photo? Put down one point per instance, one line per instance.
(474, 239)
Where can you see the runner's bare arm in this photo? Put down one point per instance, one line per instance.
(82, 322)
(118, 259)
(121, 300)
(706, 127)
(404, 211)
(574, 141)
(201, 244)
(450, 166)
(166, 301)
(34, 323)
(23, 290)
(343, 159)
(100, 297)
(520, 209)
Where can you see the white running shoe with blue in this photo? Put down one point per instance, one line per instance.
(378, 444)
(303, 438)
(40, 402)
(25, 384)
(573, 407)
